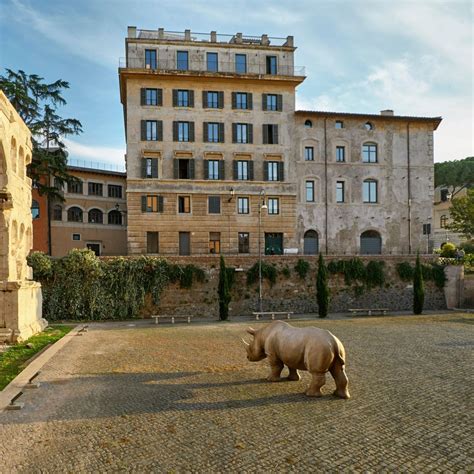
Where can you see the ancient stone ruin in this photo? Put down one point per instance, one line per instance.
(20, 296)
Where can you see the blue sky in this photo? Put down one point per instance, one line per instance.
(413, 56)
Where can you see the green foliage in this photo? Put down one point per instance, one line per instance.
(454, 174)
(405, 271)
(432, 272)
(286, 272)
(302, 268)
(336, 266)
(230, 276)
(223, 291)
(374, 274)
(448, 250)
(418, 288)
(322, 288)
(354, 270)
(438, 275)
(462, 214)
(269, 272)
(468, 247)
(41, 264)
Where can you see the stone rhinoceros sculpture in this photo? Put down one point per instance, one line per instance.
(310, 348)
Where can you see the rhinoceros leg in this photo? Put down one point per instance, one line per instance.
(293, 375)
(317, 381)
(276, 366)
(340, 377)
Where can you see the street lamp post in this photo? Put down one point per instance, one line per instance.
(261, 205)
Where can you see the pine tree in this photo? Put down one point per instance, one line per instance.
(322, 288)
(418, 288)
(223, 291)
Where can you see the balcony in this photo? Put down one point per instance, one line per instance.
(253, 69)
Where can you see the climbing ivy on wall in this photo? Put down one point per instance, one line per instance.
(355, 272)
(431, 272)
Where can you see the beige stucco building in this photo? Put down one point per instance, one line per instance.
(212, 135)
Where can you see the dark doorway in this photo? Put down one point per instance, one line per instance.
(184, 243)
(273, 243)
(94, 247)
(370, 243)
(311, 243)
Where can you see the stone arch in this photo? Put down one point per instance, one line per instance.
(13, 154)
(311, 242)
(370, 242)
(75, 214)
(21, 162)
(114, 217)
(95, 216)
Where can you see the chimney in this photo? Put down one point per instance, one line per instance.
(386, 112)
(132, 31)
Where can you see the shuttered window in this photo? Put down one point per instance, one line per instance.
(151, 97)
(213, 132)
(152, 203)
(183, 169)
(243, 205)
(152, 242)
(151, 130)
(214, 242)
(244, 242)
(270, 134)
(183, 131)
(184, 204)
(214, 204)
(213, 99)
(273, 206)
(242, 133)
(183, 98)
(150, 168)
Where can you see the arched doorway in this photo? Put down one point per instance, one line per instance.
(370, 243)
(311, 243)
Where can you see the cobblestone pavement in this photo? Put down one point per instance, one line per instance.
(183, 398)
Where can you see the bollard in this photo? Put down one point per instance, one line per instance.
(14, 405)
(32, 384)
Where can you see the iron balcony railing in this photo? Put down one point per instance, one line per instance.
(204, 67)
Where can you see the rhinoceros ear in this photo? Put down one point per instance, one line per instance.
(251, 331)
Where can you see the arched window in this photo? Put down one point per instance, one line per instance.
(115, 217)
(96, 216)
(443, 221)
(368, 126)
(311, 243)
(369, 153)
(35, 209)
(370, 191)
(13, 154)
(57, 213)
(74, 214)
(308, 124)
(370, 243)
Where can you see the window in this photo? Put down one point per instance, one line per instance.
(242, 133)
(368, 126)
(151, 129)
(340, 154)
(271, 102)
(35, 209)
(115, 217)
(311, 243)
(309, 191)
(273, 170)
(340, 191)
(183, 131)
(339, 124)
(369, 191)
(96, 216)
(270, 134)
(184, 204)
(241, 100)
(182, 60)
(214, 204)
(214, 242)
(242, 170)
(212, 100)
(149, 168)
(443, 221)
(213, 132)
(183, 168)
(75, 187)
(308, 124)
(183, 98)
(370, 243)
(309, 153)
(213, 169)
(76, 236)
(244, 242)
(152, 203)
(271, 64)
(273, 206)
(115, 191)
(95, 189)
(151, 96)
(243, 205)
(74, 214)
(150, 59)
(444, 195)
(241, 63)
(369, 153)
(152, 242)
(57, 213)
(212, 64)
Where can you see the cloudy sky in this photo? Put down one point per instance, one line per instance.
(413, 56)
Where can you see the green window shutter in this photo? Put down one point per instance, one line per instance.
(142, 96)
(264, 133)
(265, 170)
(175, 97)
(143, 203)
(235, 167)
(191, 131)
(191, 98)
(143, 167)
(206, 169)
(249, 100)
(175, 131)
(143, 130)
(221, 169)
(234, 100)
(264, 101)
(234, 133)
(160, 204)
(250, 170)
(221, 133)
(159, 97)
(281, 172)
(249, 133)
(154, 168)
(191, 169)
(275, 134)
(176, 168)
(279, 102)
(204, 100)
(220, 100)
(205, 132)
(159, 130)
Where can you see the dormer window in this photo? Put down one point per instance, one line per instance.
(339, 124)
(308, 124)
(368, 126)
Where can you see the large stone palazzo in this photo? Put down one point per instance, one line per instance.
(20, 297)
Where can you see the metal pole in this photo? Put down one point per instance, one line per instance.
(260, 253)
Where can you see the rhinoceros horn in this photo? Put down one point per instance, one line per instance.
(251, 331)
(245, 342)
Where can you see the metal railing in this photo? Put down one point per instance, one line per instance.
(96, 165)
(202, 66)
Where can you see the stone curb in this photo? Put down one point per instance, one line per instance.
(19, 382)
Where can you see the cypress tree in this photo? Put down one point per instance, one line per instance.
(418, 288)
(223, 291)
(322, 289)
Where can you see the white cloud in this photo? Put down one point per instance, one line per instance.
(101, 154)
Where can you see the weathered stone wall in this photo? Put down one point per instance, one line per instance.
(289, 293)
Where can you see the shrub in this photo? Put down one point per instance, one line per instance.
(354, 270)
(468, 247)
(448, 250)
(418, 288)
(223, 291)
(405, 271)
(322, 289)
(41, 264)
(269, 272)
(302, 268)
(286, 272)
(374, 275)
(336, 266)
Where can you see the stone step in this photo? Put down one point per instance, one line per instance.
(6, 335)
